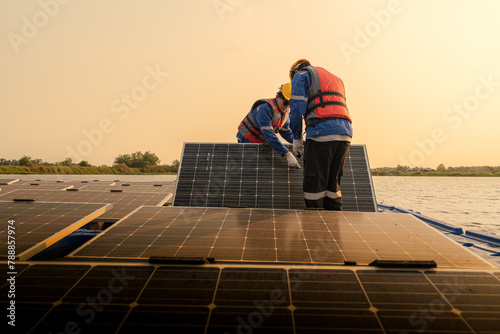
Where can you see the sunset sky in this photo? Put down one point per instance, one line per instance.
(95, 79)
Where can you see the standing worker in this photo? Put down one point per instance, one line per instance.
(266, 118)
(318, 96)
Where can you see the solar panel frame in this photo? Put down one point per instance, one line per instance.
(256, 176)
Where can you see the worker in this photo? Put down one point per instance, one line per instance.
(266, 118)
(318, 97)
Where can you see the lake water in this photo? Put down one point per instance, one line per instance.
(470, 202)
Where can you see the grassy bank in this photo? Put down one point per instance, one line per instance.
(75, 169)
(169, 170)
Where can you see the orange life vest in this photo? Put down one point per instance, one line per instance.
(326, 96)
(249, 128)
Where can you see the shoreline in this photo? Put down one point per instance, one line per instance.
(168, 170)
(430, 174)
(81, 170)
(436, 174)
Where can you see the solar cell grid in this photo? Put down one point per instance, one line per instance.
(407, 291)
(473, 291)
(276, 235)
(255, 176)
(30, 185)
(39, 225)
(123, 202)
(264, 299)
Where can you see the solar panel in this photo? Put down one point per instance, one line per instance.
(256, 176)
(261, 299)
(37, 185)
(8, 181)
(356, 185)
(138, 187)
(236, 175)
(36, 226)
(276, 236)
(96, 185)
(123, 202)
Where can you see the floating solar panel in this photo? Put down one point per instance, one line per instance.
(276, 236)
(93, 185)
(249, 175)
(138, 187)
(261, 299)
(256, 176)
(103, 186)
(33, 226)
(123, 202)
(356, 185)
(36, 185)
(4, 182)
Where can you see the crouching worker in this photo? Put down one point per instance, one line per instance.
(266, 118)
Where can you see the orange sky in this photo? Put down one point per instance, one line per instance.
(95, 79)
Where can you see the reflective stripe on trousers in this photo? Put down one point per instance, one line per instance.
(322, 194)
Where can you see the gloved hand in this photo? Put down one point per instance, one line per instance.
(298, 146)
(292, 161)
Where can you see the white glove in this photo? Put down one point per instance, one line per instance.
(292, 161)
(298, 146)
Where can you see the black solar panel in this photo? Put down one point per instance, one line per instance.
(32, 185)
(123, 202)
(276, 236)
(262, 299)
(356, 185)
(8, 181)
(256, 176)
(34, 226)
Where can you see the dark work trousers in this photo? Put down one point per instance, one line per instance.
(323, 164)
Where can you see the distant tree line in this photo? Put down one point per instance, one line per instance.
(440, 170)
(138, 159)
(134, 163)
(29, 162)
(147, 162)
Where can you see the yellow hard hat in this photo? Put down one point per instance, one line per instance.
(299, 64)
(286, 90)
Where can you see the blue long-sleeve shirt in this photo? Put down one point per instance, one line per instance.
(298, 106)
(262, 116)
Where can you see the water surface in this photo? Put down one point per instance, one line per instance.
(470, 202)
